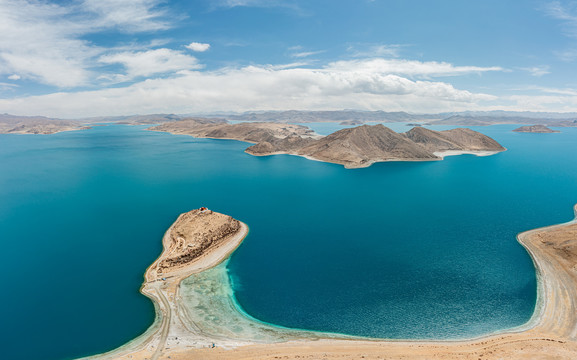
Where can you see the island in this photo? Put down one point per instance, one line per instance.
(11, 124)
(535, 129)
(355, 147)
(197, 316)
(351, 122)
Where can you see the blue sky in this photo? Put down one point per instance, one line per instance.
(77, 58)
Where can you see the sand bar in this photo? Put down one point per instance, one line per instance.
(195, 310)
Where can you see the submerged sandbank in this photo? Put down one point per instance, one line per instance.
(197, 315)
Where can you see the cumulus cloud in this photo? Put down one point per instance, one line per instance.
(146, 63)
(43, 41)
(127, 15)
(198, 47)
(334, 86)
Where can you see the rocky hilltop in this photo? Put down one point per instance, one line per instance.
(535, 129)
(352, 147)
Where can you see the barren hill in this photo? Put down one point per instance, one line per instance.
(361, 146)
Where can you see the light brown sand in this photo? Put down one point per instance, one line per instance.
(551, 333)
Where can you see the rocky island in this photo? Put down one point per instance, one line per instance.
(196, 316)
(355, 147)
(351, 122)
(535, 129)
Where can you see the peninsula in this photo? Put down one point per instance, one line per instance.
(535, 129)
(355, 147)
(196, 315)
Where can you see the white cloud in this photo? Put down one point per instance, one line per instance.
(567, 55)
(548, 90)
(44, 42)
(253, 3)
(127, 15)
(382, 50)
(290, 5)
(537, 71)
(557, 10)
(14, 77)
(4, 85)
(303, 54)
(198, 47)
(334, 86)
(146, 63)
(558, 103)
(411, 68)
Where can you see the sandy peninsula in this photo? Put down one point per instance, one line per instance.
(197, 317)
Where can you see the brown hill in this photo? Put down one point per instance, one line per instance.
(364, 145)
(460, 139)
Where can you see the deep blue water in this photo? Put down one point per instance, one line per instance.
(397, 250)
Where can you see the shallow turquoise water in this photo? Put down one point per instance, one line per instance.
(397, 250)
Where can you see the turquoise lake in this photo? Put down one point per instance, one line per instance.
(419, 250)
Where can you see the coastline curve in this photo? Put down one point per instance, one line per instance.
(195, 309)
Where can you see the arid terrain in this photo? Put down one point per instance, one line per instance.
(355, 147)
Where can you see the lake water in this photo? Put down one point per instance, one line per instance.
(398, 250)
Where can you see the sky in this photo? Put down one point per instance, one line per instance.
(83, 58)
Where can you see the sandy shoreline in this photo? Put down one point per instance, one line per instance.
(201, 312)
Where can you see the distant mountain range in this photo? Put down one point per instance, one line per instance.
(10, 124)
(468, 118)
(40, 124)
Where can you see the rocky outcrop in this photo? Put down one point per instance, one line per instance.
(535, 129)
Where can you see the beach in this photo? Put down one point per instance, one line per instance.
(198, 318)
